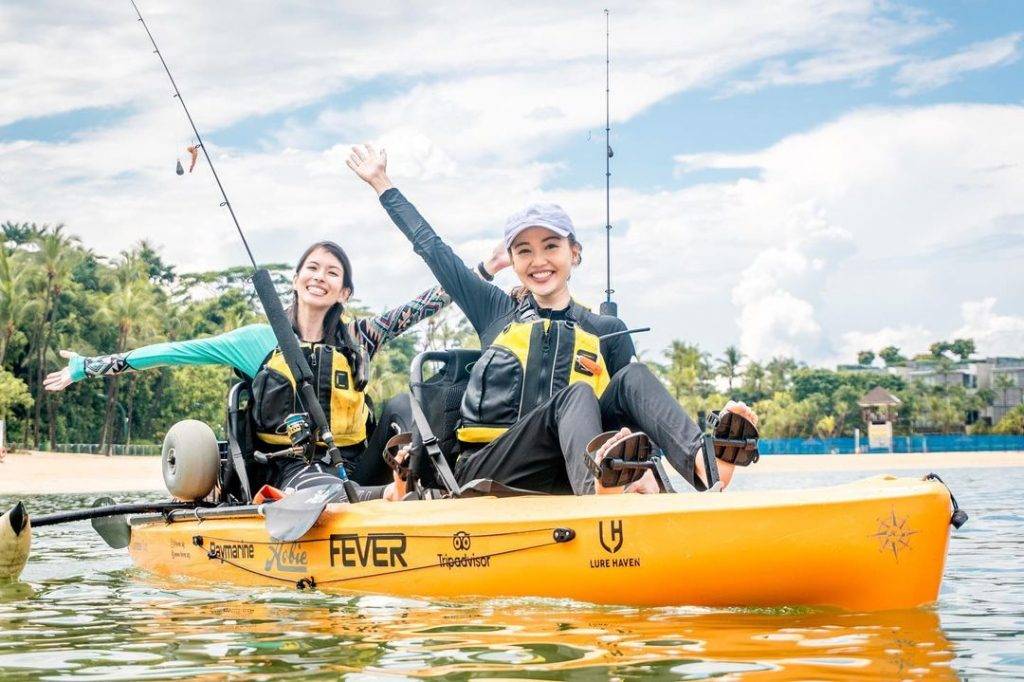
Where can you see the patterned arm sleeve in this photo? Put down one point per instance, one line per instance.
(374, 332)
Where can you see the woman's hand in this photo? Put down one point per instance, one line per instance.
(61, 379)
(499, 259)
(371, 166)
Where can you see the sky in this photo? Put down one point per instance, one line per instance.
(806, 178)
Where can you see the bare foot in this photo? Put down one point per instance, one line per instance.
(725, 469)
(600, 454)
(645, 485)
(396, 490)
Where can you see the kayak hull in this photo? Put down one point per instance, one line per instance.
(875, 544)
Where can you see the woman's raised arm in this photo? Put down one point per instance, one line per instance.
(480, 301)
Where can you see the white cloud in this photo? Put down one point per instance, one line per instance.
(919, 75)
(786, 262)
(777, 294)
(898, 185)
(910, 339)
(993, 334)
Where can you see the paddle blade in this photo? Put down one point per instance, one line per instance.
(114, 530)
(290, 518)
(15, 541)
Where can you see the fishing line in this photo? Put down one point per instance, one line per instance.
(199, 138)
(279, 322)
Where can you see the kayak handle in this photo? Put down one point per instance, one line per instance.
(959, 516)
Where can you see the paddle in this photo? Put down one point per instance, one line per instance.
(109, 510)
(15, 538)
(114, 530)
(291, 517)
(108, 519)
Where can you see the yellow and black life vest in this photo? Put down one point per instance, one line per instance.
(273, 390)
(527, 363)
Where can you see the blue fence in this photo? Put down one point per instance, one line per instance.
(928, 442)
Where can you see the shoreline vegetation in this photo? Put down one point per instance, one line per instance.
(41, 473)
(56, 293)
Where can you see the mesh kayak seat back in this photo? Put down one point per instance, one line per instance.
(436, 405)
(240, 473)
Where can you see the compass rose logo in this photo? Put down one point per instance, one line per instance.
(893, 534)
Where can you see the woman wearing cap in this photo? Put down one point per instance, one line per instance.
(531, 408)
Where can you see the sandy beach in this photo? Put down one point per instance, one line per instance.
(44, 472)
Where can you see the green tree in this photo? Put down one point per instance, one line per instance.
(687, 371)
(891, 355)
(131, 309)
(16, 305)
(57, 255)
(1012, 422)
(1003, 382)
(963, 348)
(783, 417)
(865, 357)
(939, 348)
(13, 393)
(779, 370)
(729, 364)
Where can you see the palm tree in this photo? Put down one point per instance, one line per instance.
(58, 253)
(753, 377)
(729, 364)
(687, 370)
(16, 306)
(131, 308)
(779, 370)
(1003, 382)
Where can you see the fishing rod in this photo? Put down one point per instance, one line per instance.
(271, 302)
(608, 307)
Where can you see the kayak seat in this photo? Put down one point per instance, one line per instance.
(436, 408)
(241, 433)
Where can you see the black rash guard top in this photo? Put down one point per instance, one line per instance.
(488, 308)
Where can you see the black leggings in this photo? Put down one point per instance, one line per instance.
(364, 463)
(543, 451)
(636, 399)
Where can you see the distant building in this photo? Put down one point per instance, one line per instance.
(1003, 376)
(868, 369)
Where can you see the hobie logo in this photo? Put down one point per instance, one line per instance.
(610, 535)
(290, 559)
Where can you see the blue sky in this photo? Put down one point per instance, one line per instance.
(720, 115)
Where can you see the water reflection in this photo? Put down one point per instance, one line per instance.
(82, 611)
(164, 630)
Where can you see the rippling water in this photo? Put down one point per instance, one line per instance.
(81, 611)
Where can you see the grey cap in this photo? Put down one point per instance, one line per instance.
(550, 216)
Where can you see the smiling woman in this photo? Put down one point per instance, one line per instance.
(553, 374)
(338, 349)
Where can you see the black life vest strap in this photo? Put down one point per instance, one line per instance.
(234, 449)
(437, 459)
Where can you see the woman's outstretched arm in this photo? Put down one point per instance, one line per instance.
(243, 349)
(480, 301)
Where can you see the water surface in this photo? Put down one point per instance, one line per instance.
(81, 611)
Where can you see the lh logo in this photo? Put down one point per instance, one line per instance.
(611, 539)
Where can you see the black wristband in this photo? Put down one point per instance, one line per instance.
(488, 277)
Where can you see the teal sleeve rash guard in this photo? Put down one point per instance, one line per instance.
(244, 349)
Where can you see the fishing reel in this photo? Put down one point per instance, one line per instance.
(296, 425)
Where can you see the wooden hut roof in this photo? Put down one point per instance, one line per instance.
(878, 397)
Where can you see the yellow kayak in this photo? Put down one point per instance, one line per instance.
(875, 544)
